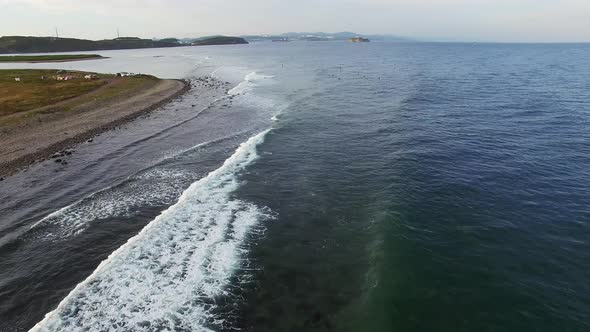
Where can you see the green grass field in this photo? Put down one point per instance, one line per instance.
(33, 92)
(39, 88)
(47, 58)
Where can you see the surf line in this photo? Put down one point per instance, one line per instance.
(72, 222)
(189, 252)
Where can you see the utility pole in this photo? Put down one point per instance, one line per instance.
(118, 35)
(56, 33)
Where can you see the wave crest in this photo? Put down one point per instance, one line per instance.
(167, 276)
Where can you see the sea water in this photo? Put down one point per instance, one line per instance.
(345, 187)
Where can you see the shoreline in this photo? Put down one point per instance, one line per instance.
(83, 133)
(57, 60)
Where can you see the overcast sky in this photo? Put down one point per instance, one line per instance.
(455, 20)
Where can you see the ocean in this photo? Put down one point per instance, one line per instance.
(336, 187)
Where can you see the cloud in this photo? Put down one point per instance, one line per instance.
(529, 20)
(104, 6)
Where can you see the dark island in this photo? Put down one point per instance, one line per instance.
(21, 44)
(219, 40)
(49, 58)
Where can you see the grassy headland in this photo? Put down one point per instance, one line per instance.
(49, 58)
(37, 90)
(33, 92)
(46, 111)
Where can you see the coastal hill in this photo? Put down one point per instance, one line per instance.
(213, 40)
(22, 44)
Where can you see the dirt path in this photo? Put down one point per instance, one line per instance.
(39, 139)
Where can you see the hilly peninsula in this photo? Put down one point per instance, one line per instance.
(24, 44)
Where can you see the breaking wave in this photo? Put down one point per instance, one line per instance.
(167, 277)
(249, 82)
(154, 186)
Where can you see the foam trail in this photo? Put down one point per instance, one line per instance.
(117, 200)
(166, 277)
(248, 83)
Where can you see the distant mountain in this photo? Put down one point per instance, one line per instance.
(322, 36)
(20, 44)
(391, 38)
(255, 38)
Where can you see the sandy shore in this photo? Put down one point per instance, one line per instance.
(38, 140)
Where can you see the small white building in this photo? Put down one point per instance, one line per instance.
(17, 79)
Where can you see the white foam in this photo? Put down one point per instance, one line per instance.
(239, 89)
(253, 77)
(249, 82)
(166, 277)
(155, 185)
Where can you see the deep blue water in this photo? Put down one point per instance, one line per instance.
(399, 187)
(429, 188)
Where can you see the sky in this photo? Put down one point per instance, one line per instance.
(436, 20)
